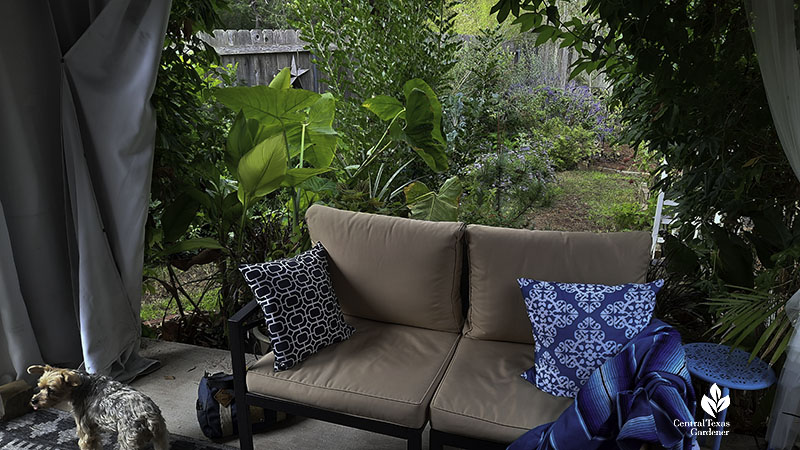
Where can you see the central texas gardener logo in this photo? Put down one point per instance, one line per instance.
(716, 403)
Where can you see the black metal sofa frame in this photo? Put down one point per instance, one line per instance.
(239, 324)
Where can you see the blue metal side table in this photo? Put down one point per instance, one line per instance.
(716, 363)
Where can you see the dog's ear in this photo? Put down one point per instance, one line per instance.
(37, 370)
(72, 378)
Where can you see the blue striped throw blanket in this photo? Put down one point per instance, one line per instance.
(636, 397)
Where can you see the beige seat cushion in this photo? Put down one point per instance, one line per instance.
(498, 256)
(384, 372)
(483, 396)
(392, 269)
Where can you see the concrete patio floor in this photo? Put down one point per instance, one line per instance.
(174, 388)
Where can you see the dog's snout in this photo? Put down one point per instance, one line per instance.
(35, 401)
(37, 392)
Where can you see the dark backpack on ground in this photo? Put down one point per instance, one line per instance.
(216, 408)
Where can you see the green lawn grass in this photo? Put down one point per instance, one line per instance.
(592, 200)
(158, 303)
(158, 307)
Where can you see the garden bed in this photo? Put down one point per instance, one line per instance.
(595, 200)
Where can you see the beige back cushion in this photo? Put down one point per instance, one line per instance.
(498, 256)
(391, 269)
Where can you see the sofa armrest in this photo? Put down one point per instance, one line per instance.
(247, 311)
(238, 325)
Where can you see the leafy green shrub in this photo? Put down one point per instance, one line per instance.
(469, 126)
(571, 120)
(633, 216)
(499, 94)
(495, 97)
(473, 116)
(502, 186)
(248, 14)
(363, 49)
(567, 145)
(191, 128)
(189, 143)
(482, 64)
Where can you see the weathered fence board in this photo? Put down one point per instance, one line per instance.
(559, 62)
(261, 54)
(555, 61)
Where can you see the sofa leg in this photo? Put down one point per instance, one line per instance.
(415, 440)
(435, 440)
(244, 428)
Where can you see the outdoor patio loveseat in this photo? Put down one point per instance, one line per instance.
(414, 358)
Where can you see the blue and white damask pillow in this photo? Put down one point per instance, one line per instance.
(577, 327)
(300, 307)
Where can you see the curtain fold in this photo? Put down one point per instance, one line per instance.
(784, 425)
(80, 130)
(108, 78)
(774, 33)
(36, 258)
(15, 324)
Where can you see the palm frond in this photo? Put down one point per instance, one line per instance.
(748, 314)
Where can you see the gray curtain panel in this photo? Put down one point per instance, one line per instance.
(773, 25)
(77, 133)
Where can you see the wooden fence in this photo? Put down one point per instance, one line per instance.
(261, 54)
(558, 62)
(552, 60)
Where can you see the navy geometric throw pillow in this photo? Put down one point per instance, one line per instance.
(300, 307)
(577, 327)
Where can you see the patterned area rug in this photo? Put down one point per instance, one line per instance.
(53, 429)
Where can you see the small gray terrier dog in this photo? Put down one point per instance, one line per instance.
(100, 403)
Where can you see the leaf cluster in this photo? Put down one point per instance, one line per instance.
(503, 184)
(422, 119)
(277, 131)
(254, 14)
(190, 132)
(364, 49)
(687, 78)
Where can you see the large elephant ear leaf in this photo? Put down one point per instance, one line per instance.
(272, 107)
(295, 177)
(232, 210)
(179, 216)
(244, 135)
(419, 131)
(262, 169)
(436, 106)
(192, 244)
(427, 205)
(385, 107)
(321, 134)
(283, 80)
